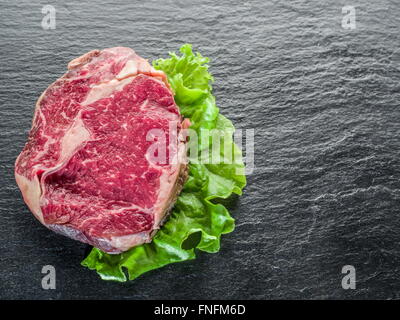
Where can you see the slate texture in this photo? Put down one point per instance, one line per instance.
(324, 103)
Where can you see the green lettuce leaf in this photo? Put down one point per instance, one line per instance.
(197, 221)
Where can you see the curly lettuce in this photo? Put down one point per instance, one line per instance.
(197, 220)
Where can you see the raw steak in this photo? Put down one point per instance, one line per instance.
(91, 169)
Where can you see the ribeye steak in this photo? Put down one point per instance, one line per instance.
(86, 170)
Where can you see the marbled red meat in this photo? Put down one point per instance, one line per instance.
(86, 170)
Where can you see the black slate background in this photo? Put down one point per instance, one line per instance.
(323, 101)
